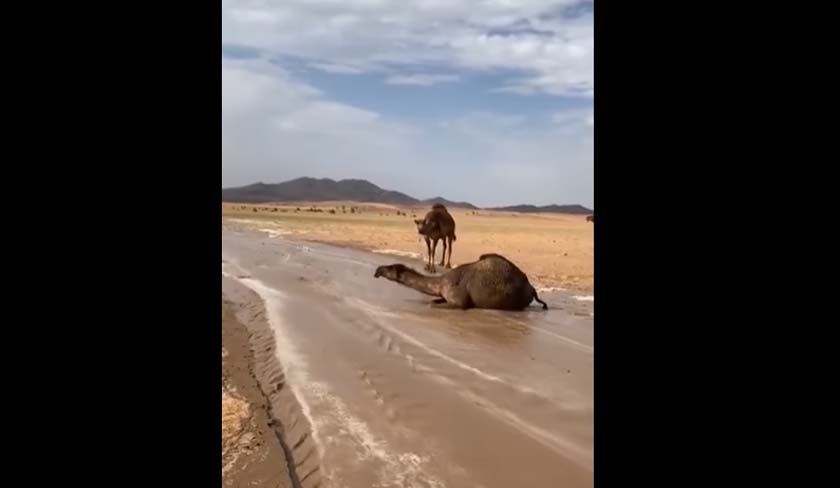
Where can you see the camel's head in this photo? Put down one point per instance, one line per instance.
(424, 225)
(392, 272)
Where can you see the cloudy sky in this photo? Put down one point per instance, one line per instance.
(488, 101)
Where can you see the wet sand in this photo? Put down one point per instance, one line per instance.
(381, 390)
(252, 450)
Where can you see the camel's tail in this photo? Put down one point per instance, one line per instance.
(537, 298)
(454, 238)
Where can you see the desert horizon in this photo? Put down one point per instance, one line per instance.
(325, 190)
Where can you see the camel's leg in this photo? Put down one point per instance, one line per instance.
(443, 254)
(428, 252)
(449, 257)
(457, 298)
(432, 256)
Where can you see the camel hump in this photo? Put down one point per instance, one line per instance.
(439, 206)
(491, 255)
(498, 256)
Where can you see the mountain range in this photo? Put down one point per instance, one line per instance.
(325, 189)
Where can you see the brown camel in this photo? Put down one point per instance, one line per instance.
(491, 282)
(438, 224)
(590, 218)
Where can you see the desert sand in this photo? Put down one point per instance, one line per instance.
(554, 250)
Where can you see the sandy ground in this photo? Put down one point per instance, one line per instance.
(554, 250)
(377, 389)
(252, 454)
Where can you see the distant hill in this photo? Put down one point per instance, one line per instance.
(449, 203)
(315, 190)
(324, 189)
(566, 209)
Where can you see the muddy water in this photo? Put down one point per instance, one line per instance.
(399, 394)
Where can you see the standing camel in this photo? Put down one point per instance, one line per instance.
(437, 225)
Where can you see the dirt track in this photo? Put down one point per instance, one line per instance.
(252, 444)
(376, 389)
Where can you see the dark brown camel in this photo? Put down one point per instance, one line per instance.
(590, 218)
(491, 282)
(438, 224)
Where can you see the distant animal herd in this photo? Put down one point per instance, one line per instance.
(333, 211)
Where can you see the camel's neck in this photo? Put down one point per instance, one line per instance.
(430, 285)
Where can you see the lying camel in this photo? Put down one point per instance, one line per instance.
(491, 282)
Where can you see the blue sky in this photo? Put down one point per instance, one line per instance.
(488, 101)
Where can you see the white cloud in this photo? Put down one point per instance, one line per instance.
(562, 66)
(255, 87)
(327, 118)
(523, 161)
(574, 117)
(340, 69)
(421, 79)
(553, 54)
(275, 128)
(487, 121)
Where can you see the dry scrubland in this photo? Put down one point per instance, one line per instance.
(555, 250)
